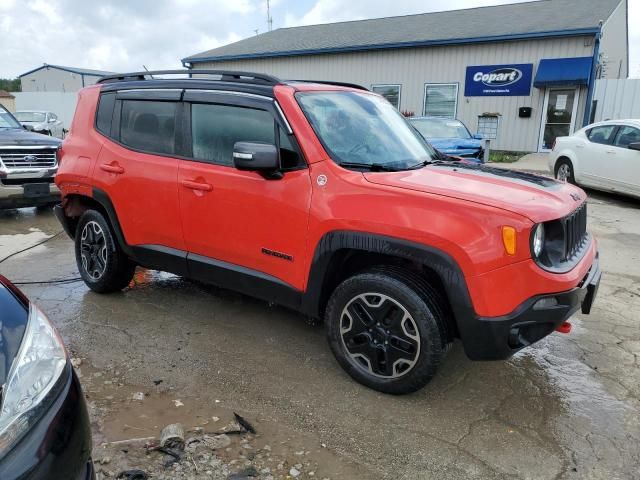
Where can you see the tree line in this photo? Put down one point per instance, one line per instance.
(10, 84)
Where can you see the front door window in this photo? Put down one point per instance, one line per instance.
(559, 115)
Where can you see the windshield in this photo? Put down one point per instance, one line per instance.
(364, 129)
(7, 120)
(440, 128)
(30, 116)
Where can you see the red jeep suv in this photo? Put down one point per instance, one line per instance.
(321, 197)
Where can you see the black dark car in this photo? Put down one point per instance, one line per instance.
(44, 425)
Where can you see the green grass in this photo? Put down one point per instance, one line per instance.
(499, 156)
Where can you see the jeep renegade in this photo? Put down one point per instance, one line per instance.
(322, 198)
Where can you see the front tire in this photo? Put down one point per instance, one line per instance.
(564, 171)
(101, 262)
(386, 329)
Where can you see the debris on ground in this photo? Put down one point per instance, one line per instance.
(172, 436)
(133, 475)
(294, 472)
(244, 474)
(244, 424)
(138, 396)
(181, 452)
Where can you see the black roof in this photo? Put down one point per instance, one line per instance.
(536, 19)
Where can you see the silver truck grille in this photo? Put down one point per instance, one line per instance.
(28, 158)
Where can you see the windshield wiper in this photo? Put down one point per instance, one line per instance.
(372, 167)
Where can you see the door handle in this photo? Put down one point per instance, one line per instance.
(193, 185)
(611, 151)
(112, 168)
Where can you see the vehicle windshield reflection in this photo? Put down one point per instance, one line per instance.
(361, 129)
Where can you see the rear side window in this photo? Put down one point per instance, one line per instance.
(627, 135)
(105, 113)
(216, 128)
(149, 126)
(602, 134)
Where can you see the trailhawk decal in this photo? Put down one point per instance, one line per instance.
(498, 80)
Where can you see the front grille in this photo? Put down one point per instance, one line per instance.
(28, 158)
(575, 231)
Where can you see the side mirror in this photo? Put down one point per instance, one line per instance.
(52, 120)
(634, 146)
(262, 157)
(478, 136)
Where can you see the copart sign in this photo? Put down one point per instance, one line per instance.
(498, 80)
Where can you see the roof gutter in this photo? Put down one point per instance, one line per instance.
(383, 46)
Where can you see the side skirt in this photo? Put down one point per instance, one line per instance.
(217, 272)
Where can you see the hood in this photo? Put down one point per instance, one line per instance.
(15, 315)
(538, 198)
(19, 137)
(447, 145)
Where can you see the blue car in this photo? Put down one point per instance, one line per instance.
(450, 137)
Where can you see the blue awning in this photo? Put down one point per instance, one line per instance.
(563, 71)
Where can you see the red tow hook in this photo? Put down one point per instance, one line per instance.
(564, 327)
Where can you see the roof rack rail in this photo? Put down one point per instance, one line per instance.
(328, 82)
(225, 76)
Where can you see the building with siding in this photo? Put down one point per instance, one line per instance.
(520, 74)
(56, 78)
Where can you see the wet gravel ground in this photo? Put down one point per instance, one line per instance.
(170, 350)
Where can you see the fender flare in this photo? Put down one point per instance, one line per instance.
(103, 199)
(439, 261)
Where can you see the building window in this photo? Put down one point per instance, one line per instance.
(390, 92)
(440, 100)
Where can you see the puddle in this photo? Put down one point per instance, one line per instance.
(18, 241)
(598, 430)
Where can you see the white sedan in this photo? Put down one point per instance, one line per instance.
(604, 156)
(41, 121)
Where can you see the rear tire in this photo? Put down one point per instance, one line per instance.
(101, 262)
(387, 329)
(564, 171)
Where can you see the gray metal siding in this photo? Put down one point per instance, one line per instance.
(51, 80)
(614, 44)
(617, 99)
(412, 68)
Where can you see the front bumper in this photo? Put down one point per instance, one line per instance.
(18, 196)
(59, 445)
(496, 338)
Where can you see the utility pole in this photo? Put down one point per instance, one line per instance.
(269, 19)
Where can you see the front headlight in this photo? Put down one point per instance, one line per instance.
(33, 381)
(537, 240)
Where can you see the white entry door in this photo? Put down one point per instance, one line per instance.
(558, 115)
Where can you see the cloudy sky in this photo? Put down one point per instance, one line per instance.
(124, 35)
